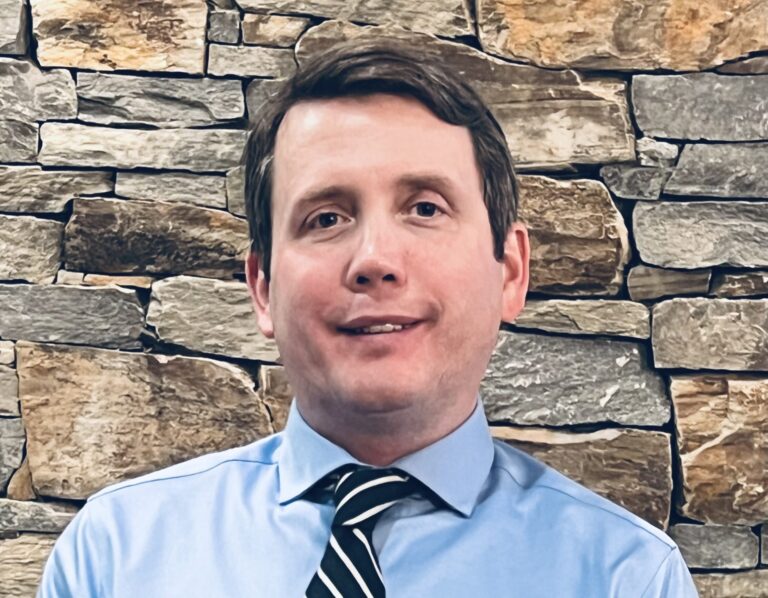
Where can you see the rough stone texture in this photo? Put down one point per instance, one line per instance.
(158, 101)
(717, 334)
(20, 487)
(107, 35)
(208, 316)
(555, 381)
(698, 234)
(444, 17)
(201, 190)
(29, 94)
(579, 243)
(721, 170)
(722, 438)
(716, 546)
(551, 118)
(258, 92)
(616, 34)
(224, 26)
(67, 277)
(11, 446)
(95, 417)
(750, 584)
(27, 516)
(18, 141)
(272, 30)
(236, 190)
(105, 317)
(30, 248)
(740, 284)
(9, 392)
(250, 61)
(702, 106)
(757, 65)
(646, 282)
(7, 353)
(618, 318)
(153, 237)
(634, 182)
(651, 152)
(32, 189)
(202, 150)
(100, 280)
(22, 560)
(276, 393)
(13, 27)
(640, 464)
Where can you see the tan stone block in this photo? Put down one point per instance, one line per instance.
(201, 150)
(94, 417)
(722, 438)
(616, 34)
(600, 316)
(272, 30)
(250, 61)
(103, 280)
(106, 35)
(740, 284)
(639, 462)
(20, 487)
(22, 560)
(30, 248)
(750, 584)
(153, 237)
(579, 242)
(647, 282)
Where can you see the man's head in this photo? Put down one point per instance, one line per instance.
(379, 189)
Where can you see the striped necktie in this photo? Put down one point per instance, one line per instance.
(349, 567)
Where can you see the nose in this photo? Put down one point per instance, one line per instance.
(377, 264)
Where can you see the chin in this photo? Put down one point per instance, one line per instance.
(377, 400)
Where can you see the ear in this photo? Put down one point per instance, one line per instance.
(515, 271)
(259, 290)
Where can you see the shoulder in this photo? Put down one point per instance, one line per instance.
(260, 455)
(567, 503)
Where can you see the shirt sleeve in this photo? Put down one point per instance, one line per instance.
(72, 570)
(672, 580)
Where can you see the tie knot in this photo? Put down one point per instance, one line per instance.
(363, 494)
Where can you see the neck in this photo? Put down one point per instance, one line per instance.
(381, 438)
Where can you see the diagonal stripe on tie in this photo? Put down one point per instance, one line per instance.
(349, 567)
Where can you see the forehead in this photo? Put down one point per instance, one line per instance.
(353, 140)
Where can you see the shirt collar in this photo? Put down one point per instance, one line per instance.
(454, 467)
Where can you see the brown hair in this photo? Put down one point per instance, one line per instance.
(357, 68)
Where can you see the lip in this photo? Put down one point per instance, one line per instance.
(366, 321)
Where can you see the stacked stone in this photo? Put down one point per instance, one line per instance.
(639, 365)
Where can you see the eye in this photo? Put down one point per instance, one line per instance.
(323, 220)
(427, 209)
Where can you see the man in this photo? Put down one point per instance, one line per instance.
(386, 252)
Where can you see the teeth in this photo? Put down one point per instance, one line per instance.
(380, 328)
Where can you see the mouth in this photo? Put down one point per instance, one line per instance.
(378, 329)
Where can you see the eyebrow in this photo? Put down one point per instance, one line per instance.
(411, 181)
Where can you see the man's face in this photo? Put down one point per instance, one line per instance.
(378, 217)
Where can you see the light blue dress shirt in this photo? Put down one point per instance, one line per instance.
(237, 524)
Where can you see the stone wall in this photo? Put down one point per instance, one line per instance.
(638, 367)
